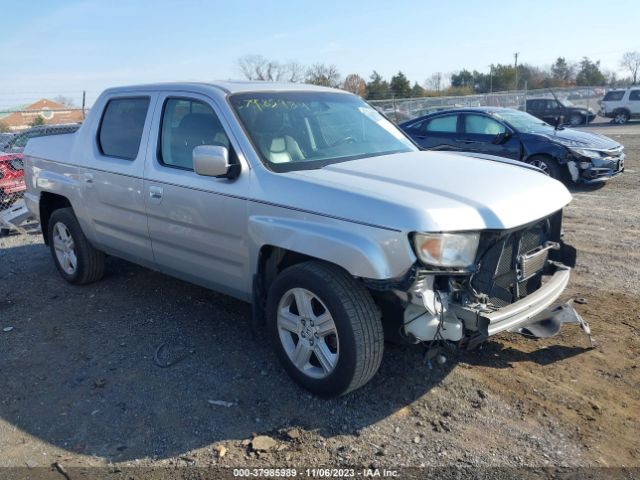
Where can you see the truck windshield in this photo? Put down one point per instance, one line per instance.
(306, 130)
(523, 122)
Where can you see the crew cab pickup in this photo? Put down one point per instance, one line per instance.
(308, 203)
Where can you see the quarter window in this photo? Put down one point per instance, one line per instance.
(481, 125)
(444, 124)
(185, 125)
(121, 127)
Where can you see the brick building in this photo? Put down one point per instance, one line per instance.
(52, 113)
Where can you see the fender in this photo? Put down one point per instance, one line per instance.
(356, 248)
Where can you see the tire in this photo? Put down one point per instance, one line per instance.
(576, 119)
(75, 258)
(334, 358)
(547, 165)
(620, 117)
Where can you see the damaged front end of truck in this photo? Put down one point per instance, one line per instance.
(511, 282)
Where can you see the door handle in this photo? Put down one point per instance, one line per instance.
(155, 192)
(88, 178)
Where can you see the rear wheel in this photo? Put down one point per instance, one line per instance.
(547, 165)
(620, 117)
(325, 327)
(76, 259)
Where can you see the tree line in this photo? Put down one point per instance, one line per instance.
(500, 77)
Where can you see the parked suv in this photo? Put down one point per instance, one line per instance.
(311, 205)
(621, 105)
(563, 111)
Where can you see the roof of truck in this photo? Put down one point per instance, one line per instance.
(228, 86)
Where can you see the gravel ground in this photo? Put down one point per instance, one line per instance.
(80, 387)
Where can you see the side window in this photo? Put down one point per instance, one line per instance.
(481, 125)
(536, 104)
(121, 127)
(614, 96)
(552, 104)
(634, 95)
(417, 127)
(185, 125)
(444, 124)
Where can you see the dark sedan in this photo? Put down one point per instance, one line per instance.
(562, 153)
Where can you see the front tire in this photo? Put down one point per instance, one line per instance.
(547, 165)
(325, 327)
(77, 261)
(576, 119)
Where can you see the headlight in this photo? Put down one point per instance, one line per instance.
(447, 249)
(583, 152)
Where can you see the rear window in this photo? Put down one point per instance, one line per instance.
(444, 124)
(121, 127)
(614, 96)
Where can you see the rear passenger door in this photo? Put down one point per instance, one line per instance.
(437, 133)
(197, 224)
(112, 177)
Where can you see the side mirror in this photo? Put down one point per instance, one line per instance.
(213, 161)
(502, 137)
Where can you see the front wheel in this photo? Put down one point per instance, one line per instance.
(576, 119)
(325, 327)
(547, 165)
(76, 259)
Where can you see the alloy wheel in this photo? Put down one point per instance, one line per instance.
(308, 333)
(65, 248)
(541, 165)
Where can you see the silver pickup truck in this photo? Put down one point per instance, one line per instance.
(311, 205)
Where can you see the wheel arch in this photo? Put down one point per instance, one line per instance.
(49, 203)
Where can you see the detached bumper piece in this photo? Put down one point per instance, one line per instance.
(529, 316)
(551, 321)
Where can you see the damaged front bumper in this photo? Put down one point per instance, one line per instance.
(433, 317)
(592, 171)
(518, 314)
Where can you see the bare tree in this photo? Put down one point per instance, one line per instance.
(293, 71)
(631, 61)
(325, 75)
(354, 83)
(257, 67)
(434, 82)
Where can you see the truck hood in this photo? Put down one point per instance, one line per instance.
(424, 191)
(580, 139)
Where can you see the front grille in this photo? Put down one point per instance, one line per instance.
(510, 265)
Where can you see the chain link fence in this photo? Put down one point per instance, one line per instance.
(401, 110)
(12, 182)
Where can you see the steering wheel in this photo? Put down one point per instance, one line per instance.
(348, 139)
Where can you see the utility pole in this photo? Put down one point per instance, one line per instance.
(516, 67)
(491, 78)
